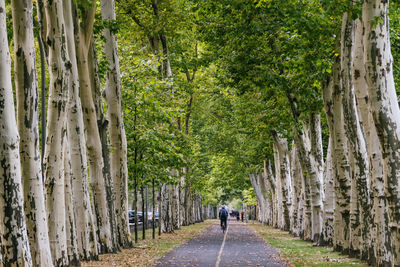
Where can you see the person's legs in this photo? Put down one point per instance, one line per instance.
(223, 221)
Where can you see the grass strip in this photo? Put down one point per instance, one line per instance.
(301, 253)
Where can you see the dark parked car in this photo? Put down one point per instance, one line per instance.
(131, 214)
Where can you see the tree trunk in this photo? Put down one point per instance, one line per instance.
(102, 124)
(259, 195)
(166, 65)
(360, 182)
(135, 207)
(327, 233)
(296, 208)
(269, 180)
(56, 128)
(83, 36)
(342, 180)
(265, 192)
(281, 147)
(119, 169)
(198, 216)
(188, 204)
(384, 106)
(175, 204)
(316, 177)
(144, 214)
(15, 249)
(278, 201)
(146, 205)
(309, 146)
(182, 198)
(72, 246)
(346, 59)
(303, 144)
(87, 241)
(160, 211)
(153, 207)
(380, 243)
(27, 113)
(166, 210)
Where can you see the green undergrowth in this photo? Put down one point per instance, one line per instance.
(302, 253)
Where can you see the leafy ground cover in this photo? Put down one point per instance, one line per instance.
(147, 252)
(302, 253)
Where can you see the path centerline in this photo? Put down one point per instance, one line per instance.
(222, 247)
(243, 248)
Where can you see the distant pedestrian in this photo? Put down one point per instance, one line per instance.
(241, 215)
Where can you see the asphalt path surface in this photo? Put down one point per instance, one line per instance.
(240, 246)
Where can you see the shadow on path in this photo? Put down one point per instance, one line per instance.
(242, 248)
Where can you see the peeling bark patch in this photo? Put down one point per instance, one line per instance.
(388, 67)
(29, 77)
(13, 211)
(356, 74)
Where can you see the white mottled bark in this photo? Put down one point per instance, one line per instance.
(56, 115)
(384, 106)
(83, 36)
(108, 183)
(334, 111)
(281, 147)
(166, 210)
(316, 175)
(278, 198)
(175, 205)
(266, 193)
(260, 197)
(182, 194)
(346, 92)
(296, 213)
(327, 233)
(303, 146)
(14, 240)
(330, 164)
(87, 242)
(361, 179)
(119, 169)
(269, 181)
(72, 246)
(188, 203)
(27, 103)
(197, 208)
(379, 242)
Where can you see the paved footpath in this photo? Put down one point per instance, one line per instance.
(240, 246)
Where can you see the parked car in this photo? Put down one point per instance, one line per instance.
(150, 219)
(131, 214)
(150, 216)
